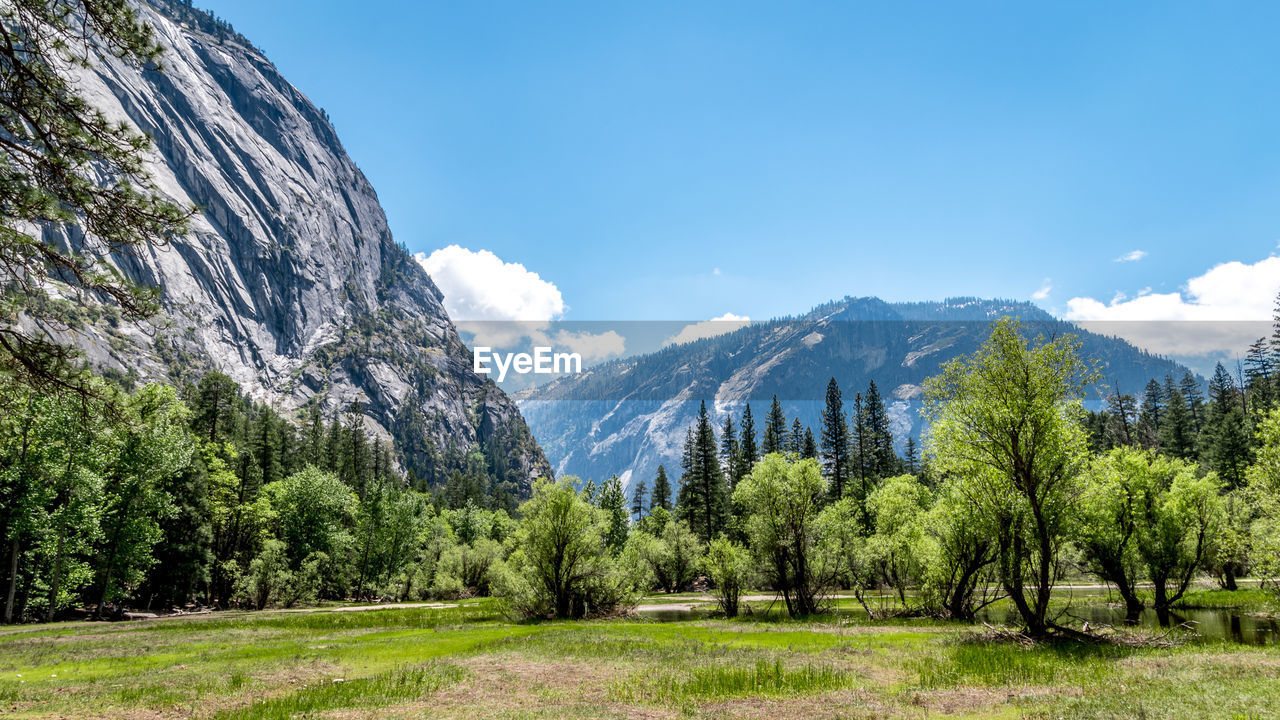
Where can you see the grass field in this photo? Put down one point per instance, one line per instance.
(470, 662)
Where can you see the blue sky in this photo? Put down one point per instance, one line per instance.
(686, 160)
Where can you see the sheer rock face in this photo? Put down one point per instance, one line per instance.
(289, 281)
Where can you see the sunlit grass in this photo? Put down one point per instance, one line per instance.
(763, 679)
(394, 662)
(377, 691)
(992, 664)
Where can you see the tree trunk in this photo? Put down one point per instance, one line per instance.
(13, 581)
(55, 581)
(1229, 577)
(1162, 593)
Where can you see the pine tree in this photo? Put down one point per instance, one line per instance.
(1151, 415)
(356, 469)
(613, 502)
(1177, 436)
(703, 501)
(775, 429)
(1225, 442)
(809, 450)
(76, 189)
(884, 459)
(730, 452)
(637, 500)
(835, 441)
(1122, 414)
(795, 439)
(313, 451)
(1260, 371)
(1191, 394)
(661, 496)
(912, 457)
(748, 451)
(862, 451)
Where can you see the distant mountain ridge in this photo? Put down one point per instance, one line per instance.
(628, 416)
(289, 280)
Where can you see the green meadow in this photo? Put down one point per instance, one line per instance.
(470, 661)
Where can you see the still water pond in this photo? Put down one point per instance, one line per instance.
(1213, 625)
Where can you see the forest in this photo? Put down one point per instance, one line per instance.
(162, 499)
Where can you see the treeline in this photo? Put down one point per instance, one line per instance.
(159, 498)
(856, 450)
(1015, 500)
(1177, 419)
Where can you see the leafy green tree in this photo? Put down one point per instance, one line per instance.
(558, 565)
(669, 554)
(1109, 528)
(1007, 420)
(184, 555)
(897, 507)
(312, 511)
(1263, 494)
(782, 500)
(154, 445)
(960, 554)
(1234, 544)
(1180, 519)
(728, 564)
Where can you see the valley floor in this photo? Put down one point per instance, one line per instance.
(467, 661)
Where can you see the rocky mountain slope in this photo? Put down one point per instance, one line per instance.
(630, 415)
(290, 281)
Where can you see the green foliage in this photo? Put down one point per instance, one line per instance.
(783, 500)
(897, 508)
(559, 566)
(1264, 495)
(729, 566)
(703, 501)
(667, 556)
(1007, 420)
(63, 163)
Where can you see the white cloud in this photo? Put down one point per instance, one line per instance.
(1131, 256)
(726, 323)
(715, 271)
(1224, 309)
(478, 285)
(1043, 293)
(501, 304)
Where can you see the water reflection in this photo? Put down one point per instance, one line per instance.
(1214, 625)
